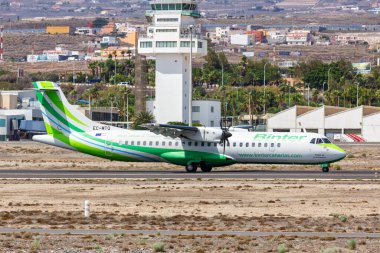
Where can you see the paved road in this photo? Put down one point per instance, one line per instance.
(179, 174)
(186, 232)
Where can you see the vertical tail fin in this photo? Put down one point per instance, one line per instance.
(57, 112)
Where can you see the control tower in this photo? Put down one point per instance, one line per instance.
(172, 24)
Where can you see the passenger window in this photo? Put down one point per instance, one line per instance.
(234, 144)
(259, 144)
(272, 145)
(265, 145)
(325, 140)
(241, 144)
(319, 141)
(189, 143)
(126, 143)
(163, 143)
(209, 144)
(157, 143)
(215, 144)
(144, 143)
(138, 143)
(170, 143)
(176, 143)
(247, 144)
(151, 143)
(312, 141)
(253, 144)
(196, 143)
(278, 145)
(202, 144)
(132, 142)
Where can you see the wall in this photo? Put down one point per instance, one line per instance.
(58, 29)
(371, 128)
(8, 101)
(209, 113)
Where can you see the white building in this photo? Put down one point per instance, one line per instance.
(346, 124)
(299, 37)
(204, 112)
(241, 39)
(168, 36)
(221, 33)
(276, 36)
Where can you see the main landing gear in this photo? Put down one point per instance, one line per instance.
(193, 167)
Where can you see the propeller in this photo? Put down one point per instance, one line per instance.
(225, 133)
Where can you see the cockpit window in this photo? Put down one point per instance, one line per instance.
(312, 141)
(325, 140)
(319, 141)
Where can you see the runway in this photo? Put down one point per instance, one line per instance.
(186, 232)
(179, 174)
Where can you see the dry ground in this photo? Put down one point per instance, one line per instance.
(213, 205)
(199, 204)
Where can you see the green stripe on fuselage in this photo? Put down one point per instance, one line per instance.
(332, 146)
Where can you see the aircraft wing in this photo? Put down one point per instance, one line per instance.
(172, 131)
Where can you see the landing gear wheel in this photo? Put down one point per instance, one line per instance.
(325, 169)
(206, 168)
(191, 168)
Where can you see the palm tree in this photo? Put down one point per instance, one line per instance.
(143, 118)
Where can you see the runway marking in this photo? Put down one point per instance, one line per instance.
(185, 232)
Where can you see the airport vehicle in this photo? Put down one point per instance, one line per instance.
(192, 147)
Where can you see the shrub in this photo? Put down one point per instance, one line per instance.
(332, 250)
(282, 248)
(158, 247)
(351, 244)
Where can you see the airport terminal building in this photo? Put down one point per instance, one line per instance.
(341, 124)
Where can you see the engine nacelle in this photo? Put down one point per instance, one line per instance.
(206, 134)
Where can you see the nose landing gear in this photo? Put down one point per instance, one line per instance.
(325, 167)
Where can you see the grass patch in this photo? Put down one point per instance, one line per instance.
(158, 247)
(282, 248)
(351, 244)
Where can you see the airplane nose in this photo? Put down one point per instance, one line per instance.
(340, 154)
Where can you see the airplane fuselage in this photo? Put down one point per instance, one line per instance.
(243, 147)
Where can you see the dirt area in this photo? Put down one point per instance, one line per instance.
(32, 155)
(210, 205)
(183, 204)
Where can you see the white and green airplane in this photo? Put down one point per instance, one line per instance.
(192, 147)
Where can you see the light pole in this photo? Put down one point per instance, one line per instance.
(265, 65)
(114, 81)
(328, 79)
(191, 77)
(357, 94)
(323, 93)
(126, 111)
